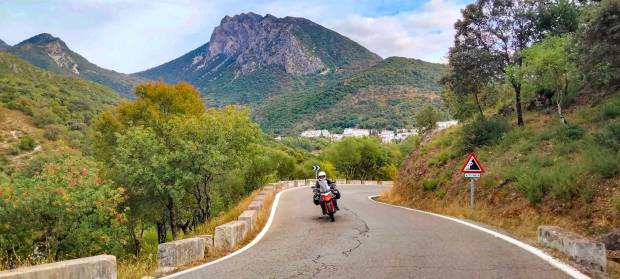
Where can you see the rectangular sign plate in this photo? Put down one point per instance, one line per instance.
(472, 175)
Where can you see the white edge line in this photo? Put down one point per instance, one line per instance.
(260, 235)
(546, 257)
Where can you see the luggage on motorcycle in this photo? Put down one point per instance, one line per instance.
(336, 193)
(316, 199)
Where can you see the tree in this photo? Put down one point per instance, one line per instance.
(598, 44)
(359, 158)
(64, 211)
(547, 67)
(489, 38)
(136, 143)
(426, 118)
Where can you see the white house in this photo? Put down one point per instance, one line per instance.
(446, 124)
(315, 133)
(387, 136)
(351, 132)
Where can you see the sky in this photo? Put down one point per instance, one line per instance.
(133, 35)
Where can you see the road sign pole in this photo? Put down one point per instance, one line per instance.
(471, 192)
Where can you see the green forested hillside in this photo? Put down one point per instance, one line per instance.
(386, 95)
(50, 98)
(51, 53)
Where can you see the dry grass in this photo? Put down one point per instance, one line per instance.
(136, 268)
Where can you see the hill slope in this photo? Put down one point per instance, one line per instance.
(51, 53)
(50, 98)
(386, 95)
(543, 173)
(250, 57)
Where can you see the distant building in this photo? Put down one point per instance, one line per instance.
(446, 124)
(351, 132)
(402, 134)
(387, 136)
(315, 133)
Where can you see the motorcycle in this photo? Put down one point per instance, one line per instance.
(328, 205)
(326, 201)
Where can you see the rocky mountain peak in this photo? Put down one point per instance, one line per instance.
(55, 48)
(255, 41)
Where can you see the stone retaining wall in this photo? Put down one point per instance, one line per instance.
(582, 250)
(100, 267)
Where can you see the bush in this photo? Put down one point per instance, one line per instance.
(483, 132)
(610, 110)
(601, 161)
(430, 184)
(26, 143)
(54, 132)
(66, 211)
(571, 132)
(609, 136)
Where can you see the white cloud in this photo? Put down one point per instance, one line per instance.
(425, 33)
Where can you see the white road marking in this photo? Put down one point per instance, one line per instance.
(260, 236)
(544, 256)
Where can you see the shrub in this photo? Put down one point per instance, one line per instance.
(571, 132)
(532, 187)
(54, 132)
(483, 132)
(26, 143)
(430, 184)
(601, 161)
(609, 136)
(610, 110)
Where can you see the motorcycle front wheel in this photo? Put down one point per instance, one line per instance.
(332, 217)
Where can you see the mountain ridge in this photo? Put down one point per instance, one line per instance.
(52, 53)
(3, 45)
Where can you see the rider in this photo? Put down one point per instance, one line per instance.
(325, 185)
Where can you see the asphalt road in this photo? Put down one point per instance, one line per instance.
(373, 240)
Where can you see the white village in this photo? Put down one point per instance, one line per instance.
(387, 136)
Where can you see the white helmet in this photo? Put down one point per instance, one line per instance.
(322, 173)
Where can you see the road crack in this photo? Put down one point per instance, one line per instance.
(362, 233)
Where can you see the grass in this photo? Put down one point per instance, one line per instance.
(147, 264)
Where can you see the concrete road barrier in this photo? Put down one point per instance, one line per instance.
(249, 217)
(582, 250)
(103, 267)
(208, 243)
(270, 188)
(228, 235)
(259, 197)
(370, 182)
(255, 205)
(171, 255)
(341, 182)
(386, 183)
(354, 182)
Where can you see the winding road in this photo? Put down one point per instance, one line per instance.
(372, 240)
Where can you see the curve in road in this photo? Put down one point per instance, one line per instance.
(370, 240)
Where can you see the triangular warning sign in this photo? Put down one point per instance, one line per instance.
(472, 165)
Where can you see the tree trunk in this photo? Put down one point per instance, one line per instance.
(517, 88)
(173, 217)
(135, 241)
(479, 106)
(161, 231)
(562, 93)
